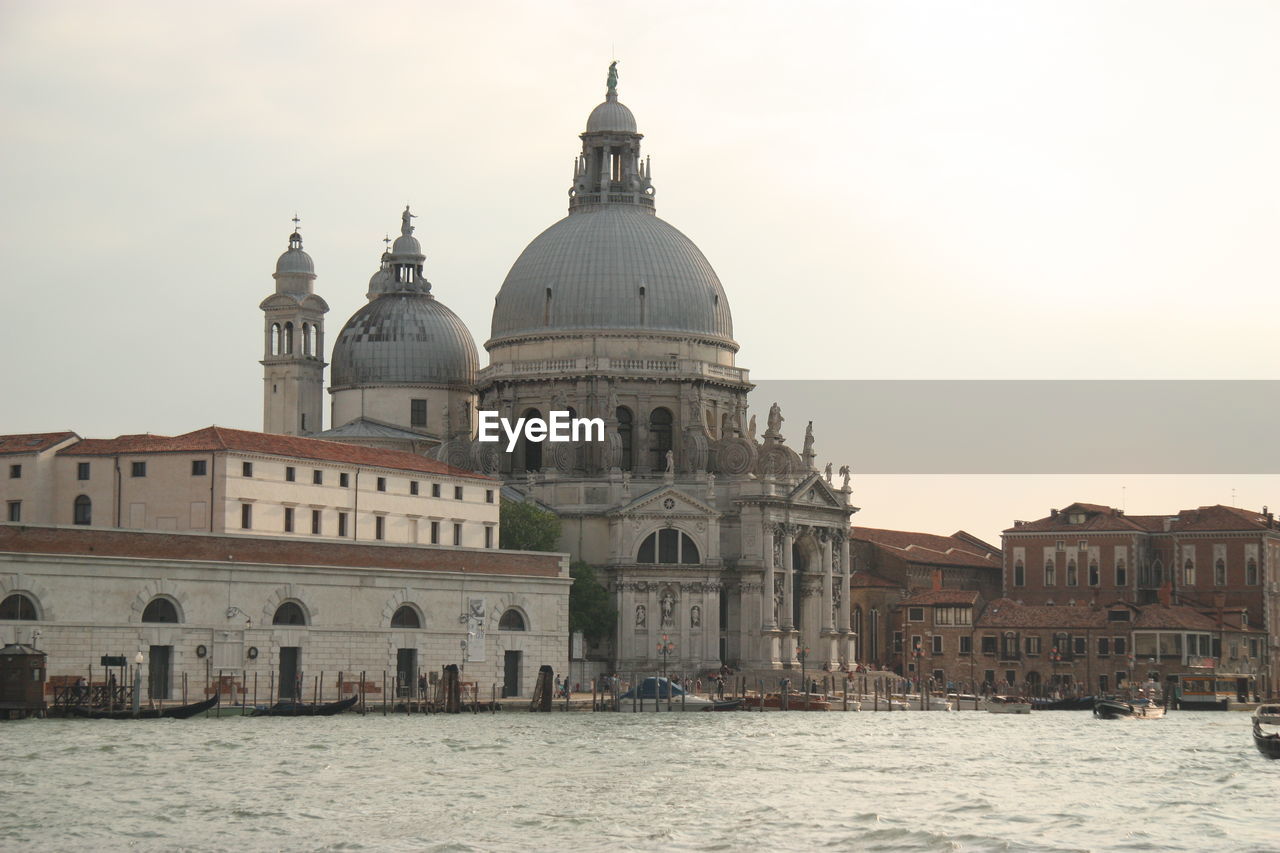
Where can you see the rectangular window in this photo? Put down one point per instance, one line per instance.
(82, 470)
(344, 480)
(435, 490)
(457, 493)
(15, 510)
(943, 615)
(199, 467)
(317, 477)
(1122, 575)
(379, 527)
(457, 534)
(1010, 677)
(488, 496)
(138, 469)
(1253, 647)
(288, 519)
(915, 614)
(290, 474)
(989, 676)
(937, 644)
(1102, 684)
(15, 472)
(1019, 575)
(988, 644)
(435, 533)
(1078, 646)
(1033, 645)
(246, 469)
(966, 645)
(315, 521)
(488, 537)
(342, 525)
(246, 516)
(1104, 647)
(897, 642)
(418, 413)
(413, 487)
(917, 643)
(382, 484)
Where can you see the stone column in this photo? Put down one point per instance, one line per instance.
(843, 577)
(786, 617)
(824, 537)
(770, 621)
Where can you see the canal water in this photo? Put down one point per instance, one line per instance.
(1049, 781)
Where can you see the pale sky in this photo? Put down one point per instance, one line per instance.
(887, 190)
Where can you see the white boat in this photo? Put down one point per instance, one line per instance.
(1006, 705)
(930, 703)
(872, 702)
(1146, 709)
(661, 695)
(1268, 715)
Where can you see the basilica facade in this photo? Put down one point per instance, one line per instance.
(719, 539)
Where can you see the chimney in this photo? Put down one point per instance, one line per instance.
(1053, 513)
(937, 578)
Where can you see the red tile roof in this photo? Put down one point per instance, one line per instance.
(1006, 613)
(959, 549)
(1176, 616)
(1100, 518)
(32, 442)
(1219, 517)
(867, 579)
(957, 597)
(215, 438)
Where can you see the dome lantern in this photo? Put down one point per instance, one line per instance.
(609, 169)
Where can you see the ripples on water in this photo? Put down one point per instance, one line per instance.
(1052, 781)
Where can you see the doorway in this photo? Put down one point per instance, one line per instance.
(159, 679)
(511, 673)
(406, 671)
(290, 674)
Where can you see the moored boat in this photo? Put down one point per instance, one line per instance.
(1111, 709)
(176, 712)
(793, 702)
(1268, 714)
(660, 694)
(1268, 743)
(1006, 705)
(1080, 703)
(306, 709)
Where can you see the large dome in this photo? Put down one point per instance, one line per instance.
(613, 267)
(404, 338)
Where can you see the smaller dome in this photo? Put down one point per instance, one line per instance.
(611, 116)
(295, 261)
(406, 244)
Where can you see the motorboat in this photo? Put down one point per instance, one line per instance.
(880, 702)
(1006, 705)
(1137, 709)
(661, 694)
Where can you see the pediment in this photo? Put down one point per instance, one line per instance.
(815, 491)
(664, 502)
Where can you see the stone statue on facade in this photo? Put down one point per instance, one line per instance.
(777, 598)
(642, 616)
(406, 227)
(711, 485)
(695, 617)
(668, 604)
(835, 605)
(844, 472)
(774, 422)
(613, 76)
(462, 423)
(751, 430)
(626, 479)
(613, 404)
(827, 472)
(671, 462)
(808, 439)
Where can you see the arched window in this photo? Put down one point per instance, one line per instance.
(659, 438)
(18, 606)
(289, 613)
(160, 610)
(1050, 573)
(1251, 572)
(276, 338)
(1095, 577)
(668, 546)
(288, 339)
(1157, 572)
(406, 617)
(529, 453)
(1073, 575)
(1019, 574)
(1220, 573)
(306, 339)
(82, 511)
(511, 621)
(626, 431)
(313, 349)
(1122, 573)
(1189, 573)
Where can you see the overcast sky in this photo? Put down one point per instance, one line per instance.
(887, 190)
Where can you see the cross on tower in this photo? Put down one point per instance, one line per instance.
(296, 220)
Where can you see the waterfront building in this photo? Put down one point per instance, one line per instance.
(1212, 559)
(252, 613)
(889, 565)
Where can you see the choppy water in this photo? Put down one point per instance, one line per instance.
(1051, 781)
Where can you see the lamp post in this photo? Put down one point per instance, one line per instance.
(665, 648)
(137, 683)
(802, 652)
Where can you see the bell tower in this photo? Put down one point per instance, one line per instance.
(293, 346)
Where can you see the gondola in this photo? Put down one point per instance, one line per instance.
(1083, 703)
(304, 709)
(1267, 744)
(177, 712)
